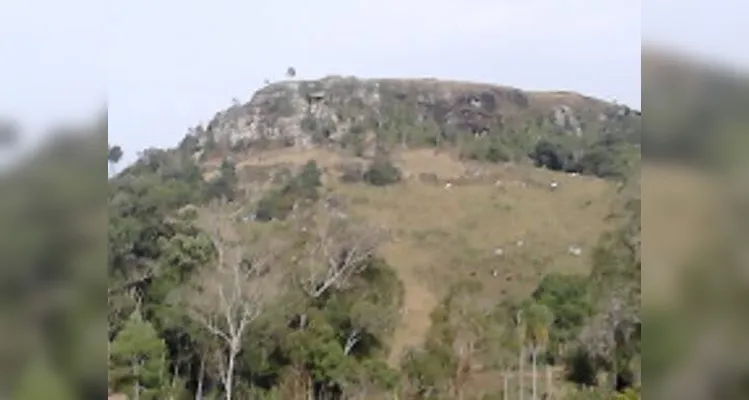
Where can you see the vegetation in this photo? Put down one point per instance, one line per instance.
(223, 186)
(277, 204)
(193, 311)
(323, 342)
(309, 301)
(568, 299)
(487, 149)
(382, 172)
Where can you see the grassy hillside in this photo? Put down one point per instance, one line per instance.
(398, 268)
(501, 224)
(439, 236)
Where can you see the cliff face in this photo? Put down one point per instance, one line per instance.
(354, 114)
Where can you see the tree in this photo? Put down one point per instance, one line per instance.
(612, 333)
(138, 357)
(459, 335)
(504, 342)
(465, 328)
(230, 298)
(337, 250)
(568, 298)
(538, 318)
(114, 155)
(371, 376)
(290, 72)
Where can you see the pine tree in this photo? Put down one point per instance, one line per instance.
(138, 360)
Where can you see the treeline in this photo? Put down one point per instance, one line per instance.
(195, 312)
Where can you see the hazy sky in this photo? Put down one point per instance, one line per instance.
(166, 65)
(175, 63)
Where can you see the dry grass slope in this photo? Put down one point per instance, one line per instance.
(439, 235)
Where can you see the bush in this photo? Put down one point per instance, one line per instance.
(554, 156)
(568, 297)
(308, 124)
(352, 173)
(486, 149)
(609, 159)
(320, 130)
(382, 172)
(310, 175)
(225, 185)
(275, 205)
(582, 369)
(303, 187)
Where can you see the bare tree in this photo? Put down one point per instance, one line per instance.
(520, 325)
(538, 318)
(231, 297)
(339, 250)
(501, 346)
(468, 328)
(334, 250)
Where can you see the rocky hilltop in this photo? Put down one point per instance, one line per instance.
(481, 121)
(383, 227)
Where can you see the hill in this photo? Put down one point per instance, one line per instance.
(561, 130)
(359, 213)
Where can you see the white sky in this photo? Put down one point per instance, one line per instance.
(165, 65)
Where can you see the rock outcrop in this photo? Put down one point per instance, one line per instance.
(354, 113)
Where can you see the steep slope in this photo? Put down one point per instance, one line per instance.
(469, 207)
(498, 221)
(501, 224)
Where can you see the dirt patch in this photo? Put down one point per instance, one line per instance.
(324, 158)
(418, 302)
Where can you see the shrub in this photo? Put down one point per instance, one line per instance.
(310, 175)
(568, 297)
(352, 173)
(609, 158)
(382, 172)
(486, 149)
(277, 204)
(320, 130)
(554, 156)
(581, 367)
(224, 186)
(274, 206)
(308, 124)
(497, 153)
